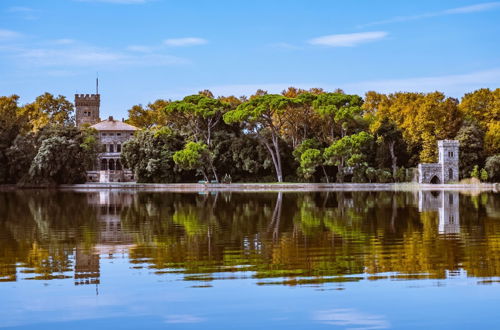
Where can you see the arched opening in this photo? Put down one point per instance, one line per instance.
(435, 180)
(104, 164)
(450, 174)
(111, 165)
(118, 165)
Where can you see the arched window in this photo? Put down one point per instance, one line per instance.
(111, 148)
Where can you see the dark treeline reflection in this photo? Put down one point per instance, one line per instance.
(278, 238)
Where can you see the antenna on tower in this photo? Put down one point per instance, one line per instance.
(97, 83)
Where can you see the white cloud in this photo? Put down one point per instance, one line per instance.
(183, 318)
(64, 41)
(20, 10)
(453, 11)
(473, 9)
(348, 40)
(140, 48)
(181, 42)
(351, 318)
(8, 34)
(64, 53)
(285, 45)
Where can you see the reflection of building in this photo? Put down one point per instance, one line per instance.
(111, 238)
(444, 171)
(86, 267)
(447, 203)
(112, 135)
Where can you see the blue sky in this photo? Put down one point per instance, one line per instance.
(149, 49)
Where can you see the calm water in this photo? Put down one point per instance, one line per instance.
(364, 260)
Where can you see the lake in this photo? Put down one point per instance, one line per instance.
(121, 259)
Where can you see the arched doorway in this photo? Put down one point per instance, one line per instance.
(104, 164)
(435, 180)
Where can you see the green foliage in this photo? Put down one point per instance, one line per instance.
(61, 157)
(475, 172)
(483, 175)
(149, 154)
(347, 152)
(194, 156)
(471, 139)
(371, 174)
(492, 167)
(296, 133)
(384, 176)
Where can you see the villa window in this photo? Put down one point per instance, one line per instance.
(111, 148)
(103, 134)
(118, 148)
(118, 134)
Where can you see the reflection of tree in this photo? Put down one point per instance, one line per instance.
(306, 237)
(41, 230)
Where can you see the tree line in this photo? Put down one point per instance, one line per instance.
(298, 135)
(311, 136)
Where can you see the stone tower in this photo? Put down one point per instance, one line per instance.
(446, 169)
(87, 109)
(448, 158)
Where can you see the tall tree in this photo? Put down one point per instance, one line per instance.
(264, 116)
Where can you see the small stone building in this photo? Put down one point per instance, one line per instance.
(446, 169)
(112, 134)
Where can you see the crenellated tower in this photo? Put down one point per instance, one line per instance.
(87, 109)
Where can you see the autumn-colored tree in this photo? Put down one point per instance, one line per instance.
(49, 110)
(420, 117)
(149, 116)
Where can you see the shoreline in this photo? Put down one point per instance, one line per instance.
(264, 187)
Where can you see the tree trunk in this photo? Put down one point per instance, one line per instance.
(278, 158)
(394, 159)
(326, 175)
(275, 157)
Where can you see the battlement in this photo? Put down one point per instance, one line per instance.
(87, 99)
(448, 143)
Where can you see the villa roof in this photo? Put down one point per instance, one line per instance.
(113, 125)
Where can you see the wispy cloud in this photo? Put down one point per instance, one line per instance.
(453, 11)
(348, 40)
(8, 34)
(285, 45)
(473, 9)
(182, 42)
(63, 53)
(455, 85)
(26, 13)
(183, 318)
(351, 318)
(141, 48)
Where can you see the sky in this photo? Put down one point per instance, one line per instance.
(143, 50)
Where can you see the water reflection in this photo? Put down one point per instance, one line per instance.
(447, 204)
(273, 238)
